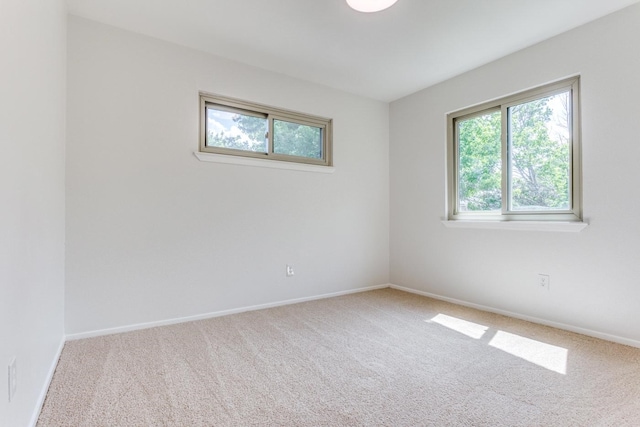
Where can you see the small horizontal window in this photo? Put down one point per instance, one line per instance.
(239, 128)
(517, 158)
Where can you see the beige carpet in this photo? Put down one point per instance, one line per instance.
(380, 358)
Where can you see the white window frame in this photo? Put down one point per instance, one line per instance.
(573, 214)
(271, 114)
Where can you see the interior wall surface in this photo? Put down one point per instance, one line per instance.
(155, 234)
(594, 273)
(32, 194)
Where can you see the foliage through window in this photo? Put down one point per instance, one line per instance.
(234, 127)
(517, 158)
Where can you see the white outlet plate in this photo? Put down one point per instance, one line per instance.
(543, 281)
(12, 379)
(290, 271)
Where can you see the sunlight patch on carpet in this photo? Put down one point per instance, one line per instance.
(465, 327)
(546, 355)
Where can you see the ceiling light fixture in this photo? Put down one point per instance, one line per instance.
(370, 5)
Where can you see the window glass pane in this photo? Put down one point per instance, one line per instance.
(480, 164)
(228, 129)
(297, 140)
(540, 154)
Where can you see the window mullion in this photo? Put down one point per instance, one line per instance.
(270, 136)
(506, 160)
(457, 168)
(575, 150)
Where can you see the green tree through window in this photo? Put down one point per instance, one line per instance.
(480, 170)
(244, 129)
(540, 153)
(517, 158)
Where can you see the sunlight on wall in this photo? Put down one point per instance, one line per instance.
(545, 355)
(470, 329)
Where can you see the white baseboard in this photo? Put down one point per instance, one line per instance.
(45, 387)
(571, 328)
(129, 328)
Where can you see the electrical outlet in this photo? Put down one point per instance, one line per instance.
(12, 379)
(290, 271)
(543, 281)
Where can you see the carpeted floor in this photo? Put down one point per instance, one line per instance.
(380, 358)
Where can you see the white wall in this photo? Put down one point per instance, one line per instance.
(155, 234)
(32, 133)
(595, 274)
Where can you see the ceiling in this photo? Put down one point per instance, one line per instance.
(387, 55)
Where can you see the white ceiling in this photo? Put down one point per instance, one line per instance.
(385, 55)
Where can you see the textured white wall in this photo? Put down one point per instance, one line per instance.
(595, 274)
(32, 133)
(155, 234)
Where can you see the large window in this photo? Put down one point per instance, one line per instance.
(517, 158)
(240, 128)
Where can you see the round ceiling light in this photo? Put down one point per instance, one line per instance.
(370, 5)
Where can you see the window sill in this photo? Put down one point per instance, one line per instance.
(263, 163)
(570, 227)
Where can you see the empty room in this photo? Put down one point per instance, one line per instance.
(319, 213)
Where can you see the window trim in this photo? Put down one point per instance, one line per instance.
(271, 114)
(574, 214)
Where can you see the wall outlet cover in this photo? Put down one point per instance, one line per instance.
(290, 271)
(12, 379)
(543, 281)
